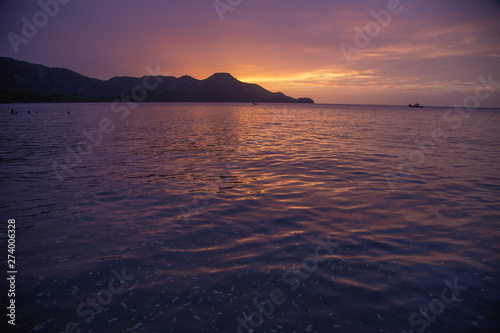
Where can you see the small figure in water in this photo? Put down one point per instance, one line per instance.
(29, 112)
(13, 112)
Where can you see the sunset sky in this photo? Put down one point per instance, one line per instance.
(428, 51)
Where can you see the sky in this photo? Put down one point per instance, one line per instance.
(335, 51)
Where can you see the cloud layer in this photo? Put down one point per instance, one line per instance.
(427, 51)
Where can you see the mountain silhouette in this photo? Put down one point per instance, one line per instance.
(22, 81)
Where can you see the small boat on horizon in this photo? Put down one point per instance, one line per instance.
(255, 103)
(416, 105)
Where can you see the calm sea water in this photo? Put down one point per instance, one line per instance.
(233, 217)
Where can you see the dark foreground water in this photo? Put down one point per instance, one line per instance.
(233, 217)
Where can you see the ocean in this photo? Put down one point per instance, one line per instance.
(206, 217)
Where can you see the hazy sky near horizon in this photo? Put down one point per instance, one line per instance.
(428, 51)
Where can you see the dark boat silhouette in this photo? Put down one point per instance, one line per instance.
(416, 105)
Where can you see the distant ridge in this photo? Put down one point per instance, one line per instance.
(22, 82)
